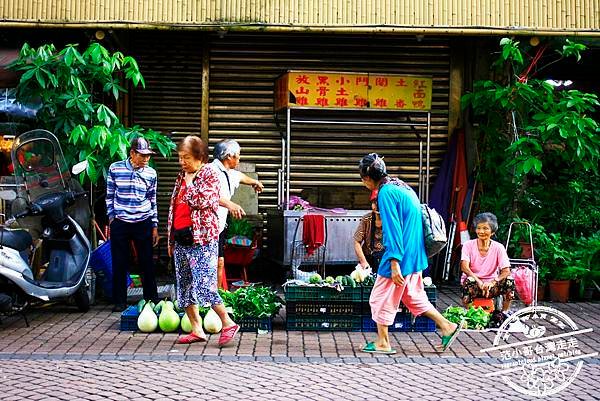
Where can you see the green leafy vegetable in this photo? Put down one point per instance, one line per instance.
(476, 318)
(252, 301)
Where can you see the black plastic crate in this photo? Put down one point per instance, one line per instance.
(402, 323)
(129, 319)
(423, 324)
(307, 293)
(323, 323)
(320, 308)
(249, 324)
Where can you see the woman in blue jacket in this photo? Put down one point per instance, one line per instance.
(399, 277)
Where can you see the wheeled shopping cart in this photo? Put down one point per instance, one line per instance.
(529, 263)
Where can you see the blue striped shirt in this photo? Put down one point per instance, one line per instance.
(131, 193)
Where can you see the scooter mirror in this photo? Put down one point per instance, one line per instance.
(8, 195)
(79, 167)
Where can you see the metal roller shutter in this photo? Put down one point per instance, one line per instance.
(171, 64)
(243, 68)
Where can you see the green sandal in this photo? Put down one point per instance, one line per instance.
(448, 340)
(371, 348)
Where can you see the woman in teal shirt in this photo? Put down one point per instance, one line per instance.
(399, 277)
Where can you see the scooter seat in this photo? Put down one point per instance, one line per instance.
(19, 240)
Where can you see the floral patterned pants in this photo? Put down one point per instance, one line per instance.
(506, 288)
(196, 273)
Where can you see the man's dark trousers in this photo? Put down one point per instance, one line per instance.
(121, 234)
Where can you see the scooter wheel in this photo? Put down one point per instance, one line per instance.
(82, 299)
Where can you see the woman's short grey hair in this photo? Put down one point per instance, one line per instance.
(489, 218)
(372, 166)
(226, 148)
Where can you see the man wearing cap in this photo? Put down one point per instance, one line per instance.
(131, 209)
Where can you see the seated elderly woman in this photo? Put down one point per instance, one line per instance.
(485, 265)
(368, 238)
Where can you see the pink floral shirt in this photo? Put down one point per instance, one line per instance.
(203, 198)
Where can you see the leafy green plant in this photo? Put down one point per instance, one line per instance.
(529, 129)
(476, 318)
(587, 256)
(241, 227)
(252, 301)
(539, 149)
(78, 91)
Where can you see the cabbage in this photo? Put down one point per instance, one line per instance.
(212, 322)
(147, 321)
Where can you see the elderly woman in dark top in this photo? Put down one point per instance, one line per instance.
(193, 239)
(368, 238)
(485, 265)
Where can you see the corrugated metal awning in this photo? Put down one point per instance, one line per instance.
(243, 68)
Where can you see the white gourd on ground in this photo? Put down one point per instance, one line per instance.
(212, 322)
(186, 325)
(168, 321)
(147, 321)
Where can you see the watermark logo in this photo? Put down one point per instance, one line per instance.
(539, 351)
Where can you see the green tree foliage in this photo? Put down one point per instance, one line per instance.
(539, 149)
(531, 132)
(77, 91)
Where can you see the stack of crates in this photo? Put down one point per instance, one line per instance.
(323, 308)
(404, 321)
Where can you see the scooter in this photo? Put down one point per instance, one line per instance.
(60, 269)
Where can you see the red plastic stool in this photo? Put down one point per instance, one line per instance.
(486, 303)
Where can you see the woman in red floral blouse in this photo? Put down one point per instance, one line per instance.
(193, 239)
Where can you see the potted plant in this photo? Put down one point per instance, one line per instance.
(588, 259)
(553, 261)
(543, 272)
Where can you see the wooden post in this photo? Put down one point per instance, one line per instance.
(205, 91)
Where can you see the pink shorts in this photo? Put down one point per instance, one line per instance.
(386, 297)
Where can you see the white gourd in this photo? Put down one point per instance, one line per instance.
(147, 321)
(212, 322)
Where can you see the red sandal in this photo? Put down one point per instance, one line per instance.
(228, 334)
(191, 338)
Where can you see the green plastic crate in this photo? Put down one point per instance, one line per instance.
(306, 293)
(250, 324)
(323, 323)
(366, 292)
(320, 308)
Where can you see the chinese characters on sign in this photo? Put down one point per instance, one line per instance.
(353, 91)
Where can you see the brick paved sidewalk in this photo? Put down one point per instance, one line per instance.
(58, 332)
(186, 380)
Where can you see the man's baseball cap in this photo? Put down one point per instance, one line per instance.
(140, 145)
